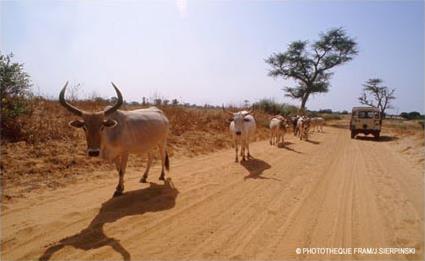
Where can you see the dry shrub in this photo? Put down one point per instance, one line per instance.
(403, 127)
(48, 120)
(331, 116)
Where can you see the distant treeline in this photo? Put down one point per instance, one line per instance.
(414, 115)
(267, 105)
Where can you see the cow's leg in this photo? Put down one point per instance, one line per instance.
(236, 151)
(243, 148)
(148, 166)
(122, 166)
(247, 148)
(117, 162)
(163, 155)
(271, 137)
(277, 138)
(282, 137)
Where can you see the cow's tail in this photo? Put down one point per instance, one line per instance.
(167, 161)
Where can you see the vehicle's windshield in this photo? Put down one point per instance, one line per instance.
(367, 114)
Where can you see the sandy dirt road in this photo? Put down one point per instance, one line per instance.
(329, 192)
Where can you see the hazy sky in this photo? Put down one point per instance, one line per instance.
(209, 51)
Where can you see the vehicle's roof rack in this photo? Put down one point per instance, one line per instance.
(365, 108)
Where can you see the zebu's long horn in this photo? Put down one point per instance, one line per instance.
(226, 111)
(68, 106)
(119, 101)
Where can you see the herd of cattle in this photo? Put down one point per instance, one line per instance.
(114, 134)
(242, 126)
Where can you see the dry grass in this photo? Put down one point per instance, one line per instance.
(54, 154)
(403, 127)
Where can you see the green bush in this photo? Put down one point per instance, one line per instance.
(331, 116)
(271, 107)
(14, 98)
(411, 115)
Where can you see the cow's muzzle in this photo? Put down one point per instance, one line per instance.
(93, 153)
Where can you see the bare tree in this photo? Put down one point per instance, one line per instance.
(376, 95)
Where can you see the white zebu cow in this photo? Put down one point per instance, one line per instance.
(303, 126)
(294, 121)
(278, 127)
(317, 124)
(242, 127)
(114, 134)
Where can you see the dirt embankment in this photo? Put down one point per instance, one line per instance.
(332, 191)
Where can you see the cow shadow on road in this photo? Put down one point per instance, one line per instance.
(285, 145)
(313, 142)
(255, 167)
(157, 197)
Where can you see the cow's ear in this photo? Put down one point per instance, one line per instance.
(109, 123)
(76, 123)
(246, 119)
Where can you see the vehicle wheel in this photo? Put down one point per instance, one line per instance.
(377, 134)
(353, 134)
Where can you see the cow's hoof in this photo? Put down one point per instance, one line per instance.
(142, 180)
(117, 193)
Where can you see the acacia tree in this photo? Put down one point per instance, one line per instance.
(309, 64)
(376, 95)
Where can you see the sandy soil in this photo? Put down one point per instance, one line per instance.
(329, 192)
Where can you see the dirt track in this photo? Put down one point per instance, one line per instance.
(330, 192)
